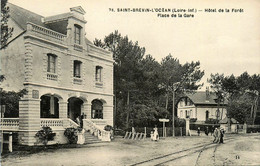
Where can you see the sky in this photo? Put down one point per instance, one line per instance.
(223, 42)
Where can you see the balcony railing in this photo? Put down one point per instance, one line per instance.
(53, 123)
(97, 130)
(52, 76)
(77, 81)
(46, 32)
(10, 123)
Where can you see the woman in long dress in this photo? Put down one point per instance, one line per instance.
(81, 138)
(155, 134)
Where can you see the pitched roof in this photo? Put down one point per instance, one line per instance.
(57, 17)
(201, 98)
(21, 16)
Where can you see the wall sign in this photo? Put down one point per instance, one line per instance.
(35, 94)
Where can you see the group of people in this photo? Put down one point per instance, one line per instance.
(154, 134)
(217, 133)
(81, 131)
(79, 119)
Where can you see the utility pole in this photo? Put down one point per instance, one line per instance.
(173, 105)
(128, 110)
(174, 89)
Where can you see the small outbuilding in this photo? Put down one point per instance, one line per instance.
(234, 125)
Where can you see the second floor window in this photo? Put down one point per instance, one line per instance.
(77, 65)
(77, 35)
(98, 73)
(51, 66)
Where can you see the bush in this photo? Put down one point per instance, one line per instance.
(45, 135)
(71, 134)
(192, 120)
(108, 128)
(180, 122)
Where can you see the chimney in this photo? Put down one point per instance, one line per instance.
(207, 93)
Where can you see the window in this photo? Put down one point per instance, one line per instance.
(97, 109)
(188, 101)
(77, 36)
(181, 103)
(77, 65)
(187, 114)
(217, 113)
(51, 66)
(207, 115)
(98, 74)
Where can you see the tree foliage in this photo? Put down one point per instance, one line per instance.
(144, 82)
(241, 92)
(11, 101)
(6, 32)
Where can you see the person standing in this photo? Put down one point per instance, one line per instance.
(155, 134)
(207, 131)
(212, 130)
(198, 131)
(81, 120)
(216, 136)
(78, 120)
(81, 138)
(221, 136)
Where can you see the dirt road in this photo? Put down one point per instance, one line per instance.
(195, 150)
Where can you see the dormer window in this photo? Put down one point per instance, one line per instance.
(77, 65)
(77, 34)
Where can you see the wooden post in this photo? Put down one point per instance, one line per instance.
(163, 129)
(173, 105)
(10, 142)
(130, 133)
(181, 130)
(2, 141)
(126, 135)
(133, 136)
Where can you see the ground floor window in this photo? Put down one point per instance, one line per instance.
(49, 107)
(207, 115)
(96, 109)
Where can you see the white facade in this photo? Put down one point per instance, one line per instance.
(65, 74)
(201, 111)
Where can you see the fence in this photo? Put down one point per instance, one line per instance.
(179, 131)
(202, 127)
(253, 128)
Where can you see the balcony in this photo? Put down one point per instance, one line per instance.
(78, 47)
(77, 81)
(52, 76)
(45, 33)
(99, 84)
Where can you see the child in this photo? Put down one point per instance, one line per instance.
(198, 131)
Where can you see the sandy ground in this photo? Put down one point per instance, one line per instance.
(130, 152)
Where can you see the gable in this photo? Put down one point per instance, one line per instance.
(78, 9)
